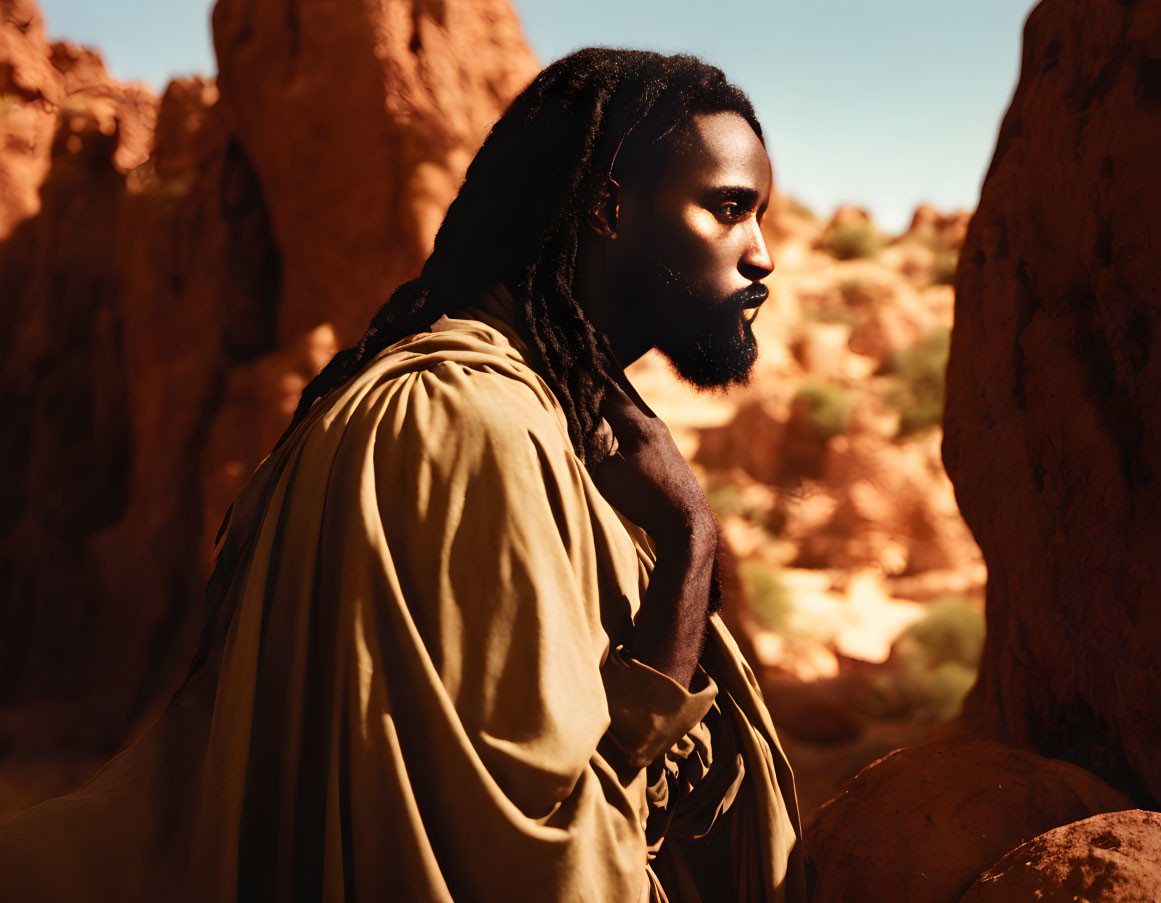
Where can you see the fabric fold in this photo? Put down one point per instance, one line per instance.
(412, 675)
(649, 711)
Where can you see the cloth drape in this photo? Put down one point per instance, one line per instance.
(414, 682)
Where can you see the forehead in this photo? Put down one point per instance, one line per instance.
(718, 149)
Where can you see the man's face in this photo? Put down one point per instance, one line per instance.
(685, 266)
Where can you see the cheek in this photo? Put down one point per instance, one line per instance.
(692, 240)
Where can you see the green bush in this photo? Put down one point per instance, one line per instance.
(828, 407)
(766, 594)
(944, 267)
(172, 189)
(920, 390)
(800, 209)
(856, 291)
(726, 501)
(938, 658)
(946, 686)
(847, 241)
(822, 312)
(951, 631)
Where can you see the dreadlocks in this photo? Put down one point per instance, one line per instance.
(518, 217)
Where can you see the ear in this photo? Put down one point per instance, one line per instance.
(602, 219)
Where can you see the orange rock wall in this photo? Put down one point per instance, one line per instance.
(1052, 425)
(171, 273)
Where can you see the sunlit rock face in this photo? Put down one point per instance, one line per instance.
(360, 120)
(172, 272)
(1052, 425)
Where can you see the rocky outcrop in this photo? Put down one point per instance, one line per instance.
(172, 273)
(945, 231)
(360, 126)
(1052, 427)
(1109, 858)
(921, 824)
(43, 86)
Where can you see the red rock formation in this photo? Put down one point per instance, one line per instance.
(161, 315)
(891, 500)
(848, 215)
(67, 446)
(1110, 858)
(29, 93)
(922, 823)
(938, 230)
(41, 85)
(1052, 427)
(360, 127)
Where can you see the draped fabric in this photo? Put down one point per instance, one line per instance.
(414, 682)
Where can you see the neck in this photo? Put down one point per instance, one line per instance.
(603, 306)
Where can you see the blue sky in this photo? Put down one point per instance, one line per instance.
(883, 103)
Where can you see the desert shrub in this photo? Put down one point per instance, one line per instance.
(766, 594)
(725, 500)
(937, 659)
(820, 311)
(951, 631)
(800, 209)
(944, 267)
(856, 291)
(146, 179)
(828, 407)
(920, 389)
(944, 690)
(846, 241)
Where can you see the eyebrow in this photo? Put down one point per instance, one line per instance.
(741, 193)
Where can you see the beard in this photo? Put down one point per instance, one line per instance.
(709, 342)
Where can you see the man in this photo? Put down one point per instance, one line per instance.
(459, 644)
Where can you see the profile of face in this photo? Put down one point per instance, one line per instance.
(685, 260)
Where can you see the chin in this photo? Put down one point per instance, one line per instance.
(718, 359)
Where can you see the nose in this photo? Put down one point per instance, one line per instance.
(756, 263)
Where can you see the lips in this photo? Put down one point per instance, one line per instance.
(753, 295)
(751, 298)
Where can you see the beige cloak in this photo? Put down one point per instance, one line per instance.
(412, 686)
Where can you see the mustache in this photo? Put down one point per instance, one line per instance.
(745, 298)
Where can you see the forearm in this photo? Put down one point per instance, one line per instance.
(670, 627)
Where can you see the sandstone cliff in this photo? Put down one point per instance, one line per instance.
(172, 271)
(1053, 432)
(1052, 438)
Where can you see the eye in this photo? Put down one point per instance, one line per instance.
(732, 204)
(732, 211)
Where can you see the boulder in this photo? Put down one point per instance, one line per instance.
(922, 823)
(1110, 858)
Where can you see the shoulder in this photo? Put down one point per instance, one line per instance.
(460, 403)
(462, 391)
(455, 444)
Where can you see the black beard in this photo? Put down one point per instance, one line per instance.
(714, 346)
